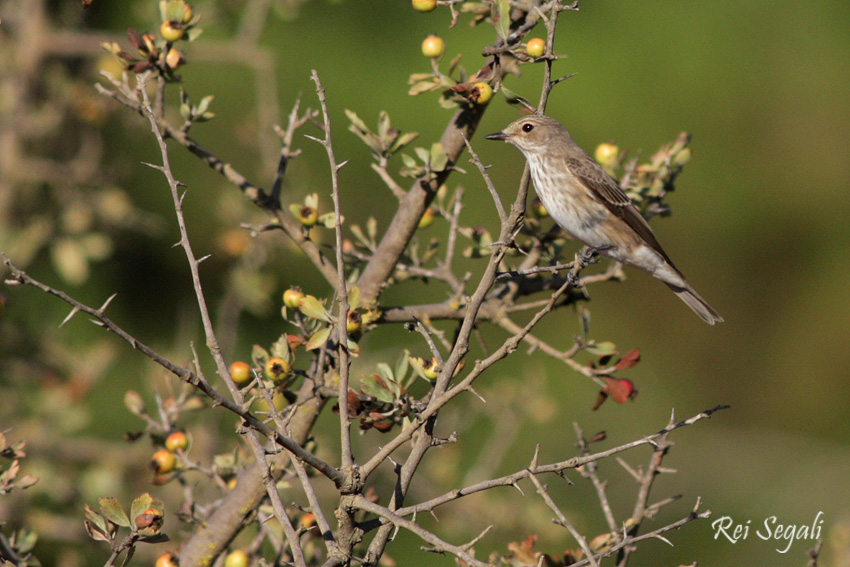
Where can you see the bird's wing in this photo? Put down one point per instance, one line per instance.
(607, 191)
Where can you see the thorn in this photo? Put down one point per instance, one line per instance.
(182, 196)
(664, 539)
(698, 504)
(477, 395)
(106, 303)
(341, 165)
(515, 485)
(73, 312)
(201, 259)
(315, 139)
(98, 323)
(156, 167)
(533, 466)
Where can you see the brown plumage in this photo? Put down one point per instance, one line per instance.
(590, 205)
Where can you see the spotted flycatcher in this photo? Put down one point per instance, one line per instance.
(590, 206)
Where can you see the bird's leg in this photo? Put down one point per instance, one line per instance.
(584, 257)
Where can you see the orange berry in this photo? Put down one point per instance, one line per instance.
(166, 560)
(177, 441)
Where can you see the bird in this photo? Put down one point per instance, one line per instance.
(591, 207)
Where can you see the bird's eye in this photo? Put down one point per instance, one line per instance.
(527, 127)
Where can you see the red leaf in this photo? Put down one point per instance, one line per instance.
(619, 390)
(600, 399)
(628, 360)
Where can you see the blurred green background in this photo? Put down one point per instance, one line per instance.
(759, 226)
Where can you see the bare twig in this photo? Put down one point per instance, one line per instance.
(341, 291)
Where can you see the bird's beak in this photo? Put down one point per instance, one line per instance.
(497, 136)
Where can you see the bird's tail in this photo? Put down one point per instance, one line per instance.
(687, 294)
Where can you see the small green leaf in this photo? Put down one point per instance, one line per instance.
(360, 235)
(144, 503)
(280, 349)
(402, 365)
(313, 308)
(355, 121)
(373, 385)
(383, 124)
(173, 10)
(423, 87)
(259, 356)
(95, 519)
(353, 348)
(372, 228)
(193, 34)
(318, 339)
(112, 511)
(354, 297)
(96, 532)
(385, 372)
(409, 162)
(602, 349)
(503, 24)
(438, 158)
(204, 105)
(134, 402)
(403, 140)
(328, 220)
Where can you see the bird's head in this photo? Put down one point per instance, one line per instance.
(532, 133)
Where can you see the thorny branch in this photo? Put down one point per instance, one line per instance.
(495, 298)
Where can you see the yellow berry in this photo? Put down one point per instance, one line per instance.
(237, 558)
(485, 93)
(535, 47)
(240, 372)
(171, 30)
(427, 218)
(353, 322)
(433, 46)
(277, 369)
(278, 399)
(308, 216)
(292, 297)
(163, 461)
(607, 154)
(424, 5)
(431, 368)
(538, 209)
